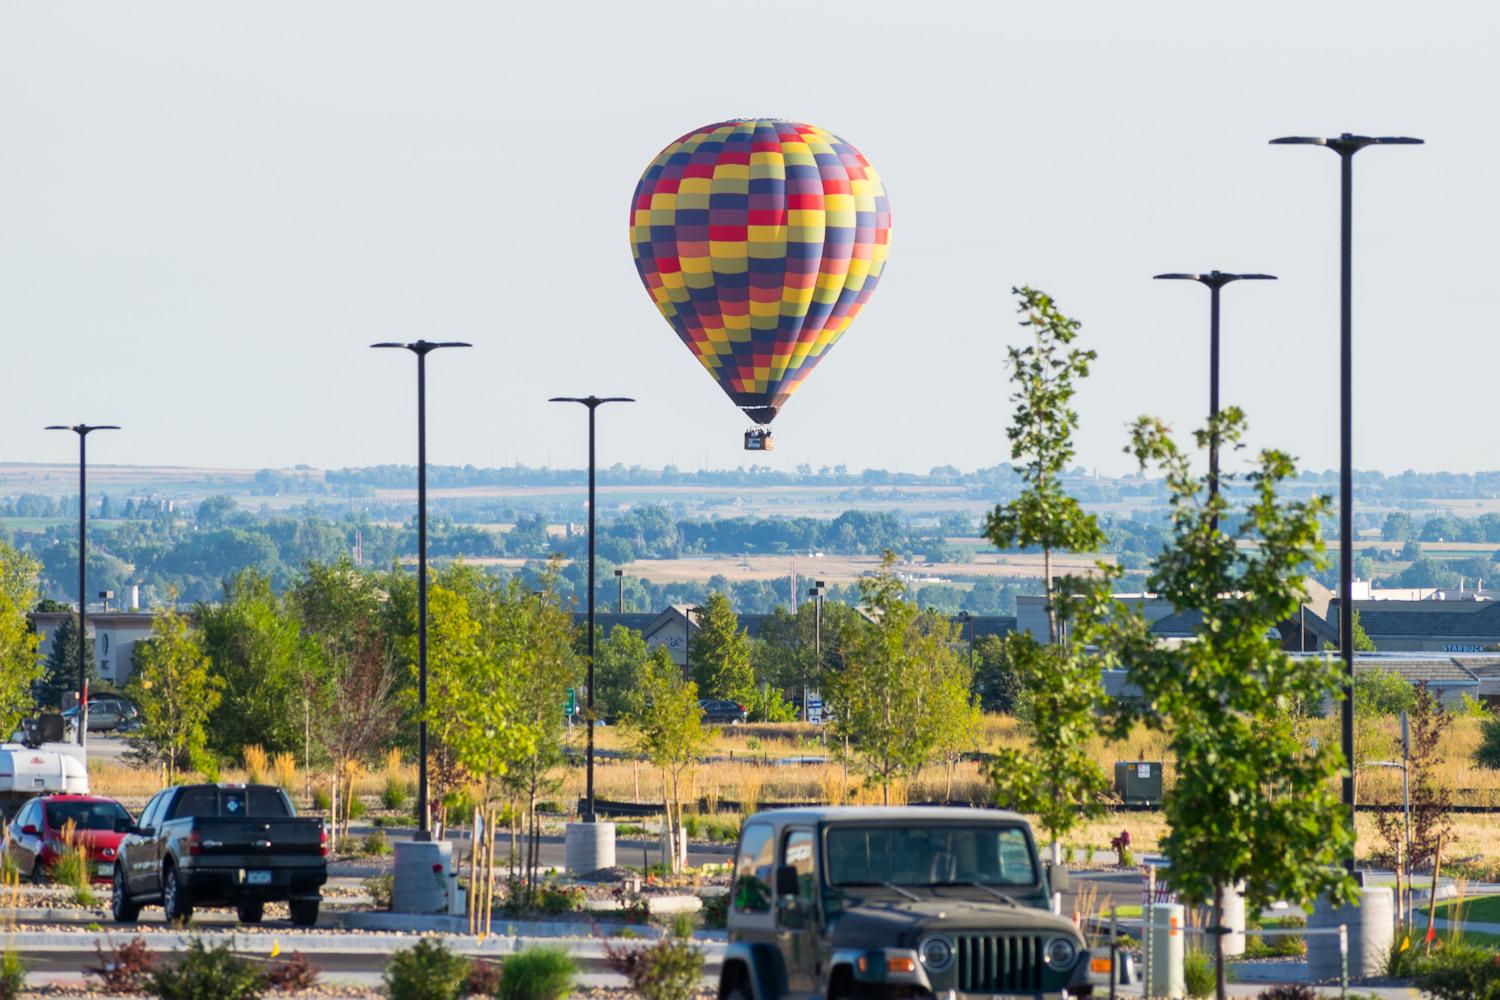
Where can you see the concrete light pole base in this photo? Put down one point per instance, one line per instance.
(421, 877)
(587, 847)
(1371, 932)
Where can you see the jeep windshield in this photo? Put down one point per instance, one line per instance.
(941, 854)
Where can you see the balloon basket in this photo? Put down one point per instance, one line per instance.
(759, 440)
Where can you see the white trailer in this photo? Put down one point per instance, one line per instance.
(51, 769)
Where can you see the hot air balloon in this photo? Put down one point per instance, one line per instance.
(760, 240)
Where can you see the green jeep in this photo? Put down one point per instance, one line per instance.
(895, 902)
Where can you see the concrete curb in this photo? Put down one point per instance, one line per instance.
(327, 944)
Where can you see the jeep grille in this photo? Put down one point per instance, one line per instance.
(998, 963)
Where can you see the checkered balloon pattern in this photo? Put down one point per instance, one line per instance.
(760, 240)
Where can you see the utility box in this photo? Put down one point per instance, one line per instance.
(1138, 782)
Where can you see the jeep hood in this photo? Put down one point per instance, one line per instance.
(874, 922)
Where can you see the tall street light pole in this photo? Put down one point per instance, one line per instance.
(1346, 145)
(1215, 280)
(421, 349)
(592, 403)
(816, 593)
(83, 431)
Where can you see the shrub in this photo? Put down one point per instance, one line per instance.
(537, 974)
(322, 801)
(9, 873)
(207, 974)
(71, 868)
(1198, 976)
(12, 974)
(1459, 971)
(426, 971)
(681, 925)
(381, 889)
(559, 899)
(296, 973)
(670, 969)
(633, 907)
(126, 968)
(357, 808)
(284, 766)
(484, 979)
(715, 912)
(394, 795)
(375, 844)
(1288, 991)
(257, 764)
(460, 804)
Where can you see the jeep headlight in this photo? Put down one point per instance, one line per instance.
(937, 953)
(1061, 952)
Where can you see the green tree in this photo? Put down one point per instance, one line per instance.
(1398, 527)
(889, 698)
(1044, 516)
(59, 677)
(19, 667)
(617, 661)
(1251, 802)
(1362, 642)
(177, 693)
(997, 684)
(258, 651)
(528, 648)
(719, 653)
(665, 724)
(1056, 776)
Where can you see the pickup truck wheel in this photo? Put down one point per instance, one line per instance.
(251, 913)
(304, 911)
(174, 898)
(38, 872)
(120, 906)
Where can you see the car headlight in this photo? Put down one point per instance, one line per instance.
(1061, 952)
(937, 953)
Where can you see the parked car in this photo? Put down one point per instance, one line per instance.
(218, 845)
(847, 902)
(106, 713)
(722, 710)
(35, 837)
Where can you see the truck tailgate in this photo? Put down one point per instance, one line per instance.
(283, 841)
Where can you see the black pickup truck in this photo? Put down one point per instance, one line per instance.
(221, 845)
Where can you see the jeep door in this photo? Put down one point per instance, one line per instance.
(797, 918)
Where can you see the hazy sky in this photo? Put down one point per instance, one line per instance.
(208, 210)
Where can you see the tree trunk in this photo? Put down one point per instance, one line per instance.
(1220, 985)
(1047, 589)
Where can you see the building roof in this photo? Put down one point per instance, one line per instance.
(1427, 619)
(1436, 669)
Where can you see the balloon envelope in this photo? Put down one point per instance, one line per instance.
(760, 240)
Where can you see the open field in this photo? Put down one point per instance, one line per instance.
(748, 774)
(846, 569)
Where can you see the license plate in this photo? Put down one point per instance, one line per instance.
(257, 878)
(105, 868)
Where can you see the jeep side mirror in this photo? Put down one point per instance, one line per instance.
(1058, 878)
(29, 830)
(786, 881)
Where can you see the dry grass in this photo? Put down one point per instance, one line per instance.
(747, 778)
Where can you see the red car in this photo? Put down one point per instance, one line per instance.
(35, 838)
